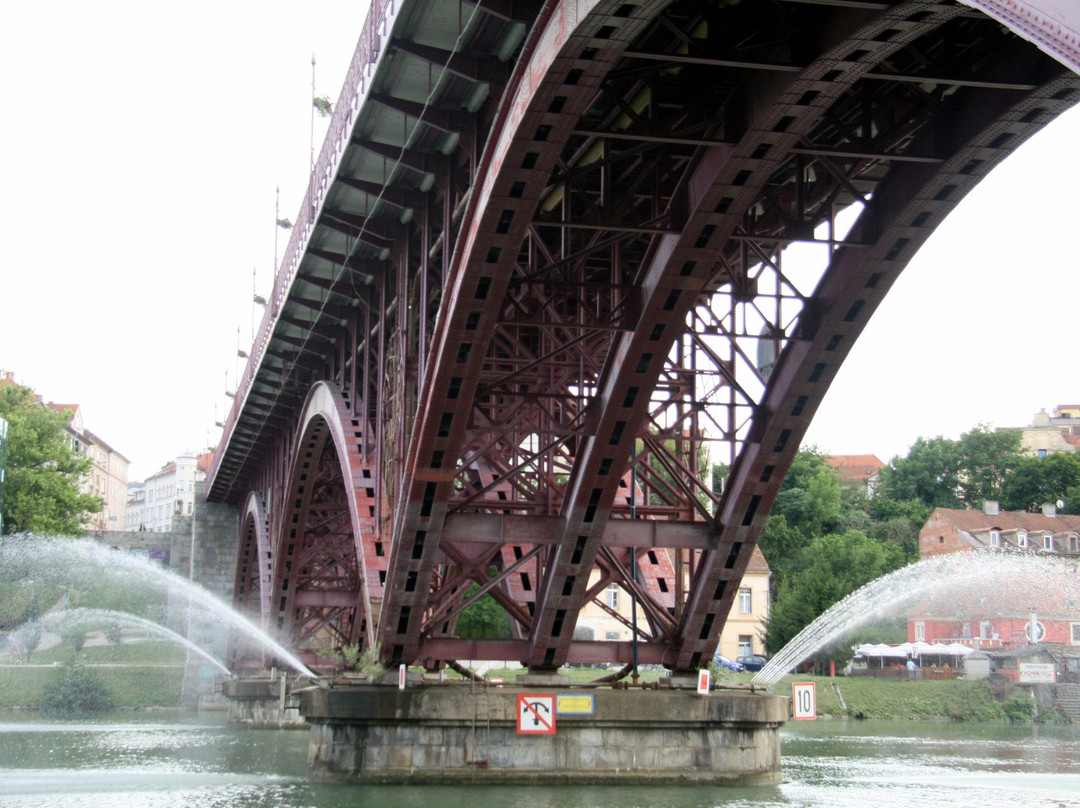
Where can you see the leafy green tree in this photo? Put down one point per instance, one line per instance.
(828, 569)
(484, 619)
(780, 544)
(41, 493)
(987, 459)
(930, 474)
(76, 635)
(898, 523)
(1038, 480)
(810, 502)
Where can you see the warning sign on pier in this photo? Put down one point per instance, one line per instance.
(536, 714)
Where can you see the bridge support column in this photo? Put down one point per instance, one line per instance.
(470, 734)
(212, 554)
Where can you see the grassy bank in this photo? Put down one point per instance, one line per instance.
(150, 675)
(955, 700)
(137, 675)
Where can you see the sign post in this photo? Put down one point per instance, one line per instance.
(804, 701)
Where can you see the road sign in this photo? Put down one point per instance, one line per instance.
(804, 701)
(536, 714)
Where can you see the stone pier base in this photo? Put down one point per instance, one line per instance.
(263, 703)
(471, 734)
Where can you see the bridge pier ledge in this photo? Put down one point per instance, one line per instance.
(542, 679)
(457, 734)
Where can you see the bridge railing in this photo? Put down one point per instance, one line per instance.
(373, 36)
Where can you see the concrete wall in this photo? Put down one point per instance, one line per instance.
(465, 734)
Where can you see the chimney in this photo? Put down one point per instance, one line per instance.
(1049, 509)
(990, 507)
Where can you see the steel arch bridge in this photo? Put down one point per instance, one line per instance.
(537, 287)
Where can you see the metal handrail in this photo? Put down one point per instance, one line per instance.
(374, 33)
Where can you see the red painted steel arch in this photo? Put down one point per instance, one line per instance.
(324, 581)
(531, 313)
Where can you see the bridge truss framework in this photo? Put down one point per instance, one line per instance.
(538, 288)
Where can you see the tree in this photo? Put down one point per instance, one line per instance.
(930, 474)
(987, 459)
(1038, 480)
(41, 493)
(29, 632)
(828, 569)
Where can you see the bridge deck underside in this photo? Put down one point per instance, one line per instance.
(544, 285)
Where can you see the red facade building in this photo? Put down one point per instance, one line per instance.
(1023, 587)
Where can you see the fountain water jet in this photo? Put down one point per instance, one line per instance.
(86, 616)
(64, 561)
(888, 595)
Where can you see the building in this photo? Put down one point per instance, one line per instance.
(1008, 607)
(107, 479)
(861, 469)
(611, 617)
(152, 503)
(1057, 431)
(744, 631)
(952, 530)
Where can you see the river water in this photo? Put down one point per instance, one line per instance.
(154, 762)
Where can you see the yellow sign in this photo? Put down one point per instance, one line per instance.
(569, 704)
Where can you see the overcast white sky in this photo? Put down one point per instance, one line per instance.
(140, 151)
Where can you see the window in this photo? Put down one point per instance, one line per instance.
(965, 629)
(746, 601)
(1048, 542)
(613, 597)
(1073, 544)
(1075, 630)
(920, 631)
(1022, 539)
(746, 645)
(995, 538)
(611, 635)
(1042, 453)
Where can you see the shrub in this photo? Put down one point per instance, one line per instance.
(1020, 707)
(75, 692)
(75, 635)
(114, 633)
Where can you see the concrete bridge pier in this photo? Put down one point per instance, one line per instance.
(454, 733)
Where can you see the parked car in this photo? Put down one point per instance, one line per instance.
(752, 663)
(723, 662)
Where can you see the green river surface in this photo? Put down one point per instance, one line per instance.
(158, 760)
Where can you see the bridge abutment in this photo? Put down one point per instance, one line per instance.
(472, 734)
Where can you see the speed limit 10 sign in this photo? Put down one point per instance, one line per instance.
(804, 701)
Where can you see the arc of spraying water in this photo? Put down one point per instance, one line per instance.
(28, 556)
(81, 615)
(888, 595)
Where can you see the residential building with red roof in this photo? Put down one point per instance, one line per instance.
(1000, 610)
(862, 469)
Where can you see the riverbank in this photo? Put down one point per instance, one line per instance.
(138, 675)
(149, 675)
